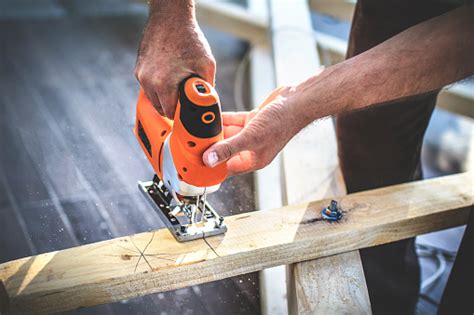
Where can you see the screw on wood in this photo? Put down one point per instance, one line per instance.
(332, 213)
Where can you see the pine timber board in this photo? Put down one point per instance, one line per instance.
(340, 9)
(115, 269)
(316, 288)
(311, 172)
(233, 19)
(269, 180)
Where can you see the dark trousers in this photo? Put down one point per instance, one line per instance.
(381, 146)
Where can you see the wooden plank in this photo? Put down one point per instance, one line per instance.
(310, 158)
(340, 9)
(310, 162)
(459, 101)
(316, 279)
(268, 181)
(331, 49)
(151, 262)
(232, 19)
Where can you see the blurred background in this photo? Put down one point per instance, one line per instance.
(69, 162)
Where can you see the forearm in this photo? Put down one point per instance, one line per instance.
(421, 59)
(166, 19)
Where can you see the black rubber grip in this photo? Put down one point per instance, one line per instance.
(191, 116)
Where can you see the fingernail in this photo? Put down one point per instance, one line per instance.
(212, 158)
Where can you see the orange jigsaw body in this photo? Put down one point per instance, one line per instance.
(197, 125)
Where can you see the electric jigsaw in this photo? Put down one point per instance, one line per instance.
(174, 148)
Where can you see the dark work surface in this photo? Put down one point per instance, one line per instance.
(69, 162)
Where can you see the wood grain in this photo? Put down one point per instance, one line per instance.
(151, 262)
(311, 166)
(268, 181)
(317, 287)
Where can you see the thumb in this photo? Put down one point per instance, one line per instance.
(223, 150)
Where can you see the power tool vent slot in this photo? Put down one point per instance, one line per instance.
(144, 138)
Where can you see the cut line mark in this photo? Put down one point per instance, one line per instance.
(209, 245)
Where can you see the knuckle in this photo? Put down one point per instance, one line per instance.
(227, 150)
(211, 62)
(139, 74)
(206, 65)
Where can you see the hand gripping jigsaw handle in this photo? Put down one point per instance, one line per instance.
(197, 125)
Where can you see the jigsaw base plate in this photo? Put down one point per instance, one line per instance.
(179, 225)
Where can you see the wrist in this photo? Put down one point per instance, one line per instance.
(322, 95)
(304, 106)
(291, 112)
(171, 15)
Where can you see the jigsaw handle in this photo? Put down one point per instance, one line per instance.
(197, 125)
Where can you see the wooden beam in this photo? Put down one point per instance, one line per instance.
(331, 49)
(340, 9)
(458, 99)
(232, 19)
(153, 262)
(268, 181)
(346, 299)
(310, 161)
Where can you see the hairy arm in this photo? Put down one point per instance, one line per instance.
(421, 59)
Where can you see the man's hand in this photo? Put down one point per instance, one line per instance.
(172, 48)
(253, 139)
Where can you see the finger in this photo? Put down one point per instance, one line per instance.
(224, 150)
(210, 77)
(168, 93)
(240, 164)
(208, 72)
(230, 131)
(154, 99)
(234, 118)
